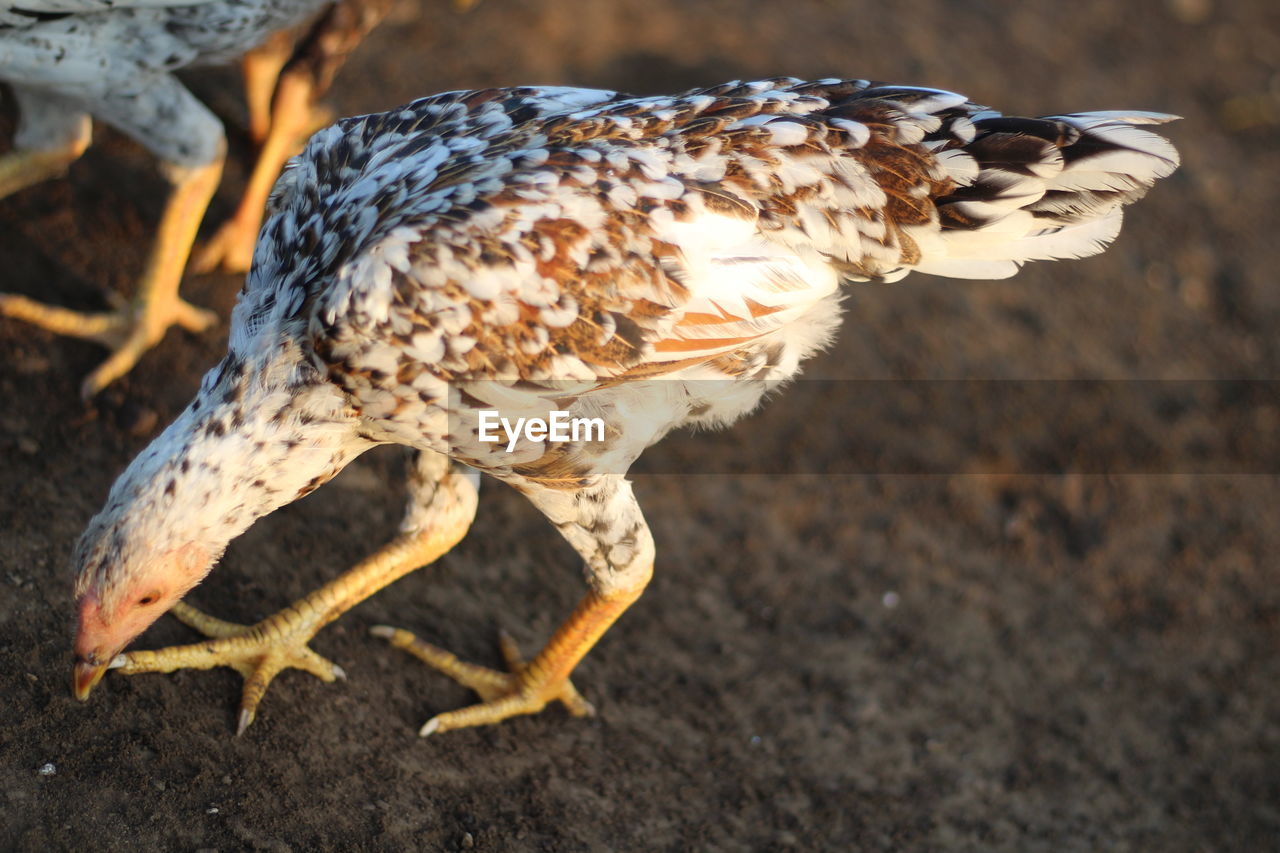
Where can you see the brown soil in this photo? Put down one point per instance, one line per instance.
(1073, 662)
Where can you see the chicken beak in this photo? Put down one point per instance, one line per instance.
(85, 676)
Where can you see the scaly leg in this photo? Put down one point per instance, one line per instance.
(294, 115)
(490, 684)
(603, 522)
(442, 506)
(133, 329)
(293, 118)
(261, 69)
(159, 112)
(53, 132)
(528, 687)
(22, 169)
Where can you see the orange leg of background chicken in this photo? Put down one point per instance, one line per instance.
(57, 131)
(294, 117)
(282, 85)
(261, 69)
(134, 328)
(22, 169)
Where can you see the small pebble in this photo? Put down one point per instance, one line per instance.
(28, 445)
(467, 841)
(47, 769)
(890, 599)
(211, 810)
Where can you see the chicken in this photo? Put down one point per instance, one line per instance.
(644, 263)
(283, 82)
(68, 59)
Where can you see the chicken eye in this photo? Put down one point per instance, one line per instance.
(150, 598)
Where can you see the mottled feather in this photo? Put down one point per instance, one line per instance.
(651, 262)
(544, 235)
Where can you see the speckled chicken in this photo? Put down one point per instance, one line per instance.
(652, 262)
(67, 60)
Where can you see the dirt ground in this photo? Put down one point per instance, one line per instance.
(832, 662)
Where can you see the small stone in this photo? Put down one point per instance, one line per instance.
(47, 769)
(467, 841)
(890, 599)
(28, 445)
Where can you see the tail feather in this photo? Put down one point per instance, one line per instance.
(1044, 189)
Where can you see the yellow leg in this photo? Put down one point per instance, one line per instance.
(261, 651)
(293, 118)
(261, 69)
(135, 328)
(22, 169)
(528, 687)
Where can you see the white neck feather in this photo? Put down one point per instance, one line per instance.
(254, 439)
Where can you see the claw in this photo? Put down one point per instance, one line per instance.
(258, 652)
(131, 330)
(503, 694)
(246, 718)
